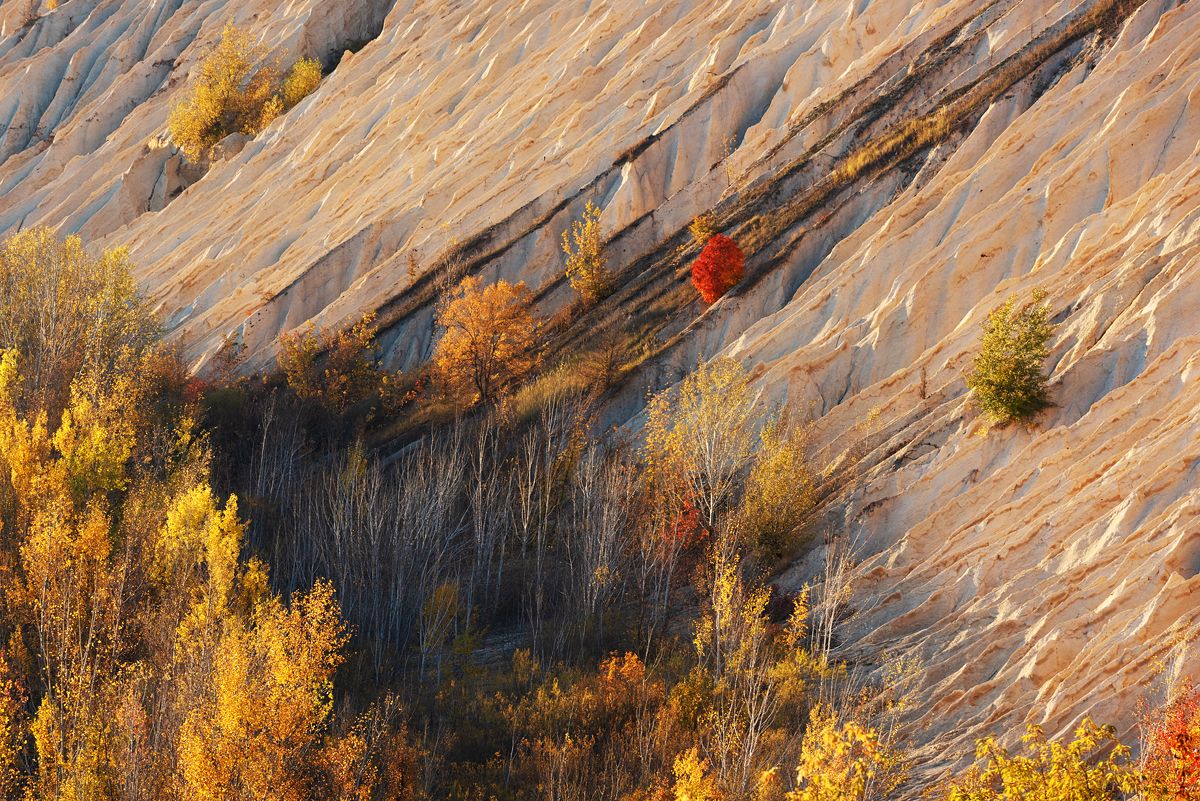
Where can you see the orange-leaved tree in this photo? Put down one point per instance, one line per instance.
(1171, 756)
(490, 338)
(718, 267)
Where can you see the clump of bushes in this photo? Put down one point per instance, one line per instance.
(780, 489)
(65, 311)
(587, 269)
(718, 268)
(300, 82)
(338, 369)
(1094, 766)
(1006, 377)
(240, 89)
(1171, 750)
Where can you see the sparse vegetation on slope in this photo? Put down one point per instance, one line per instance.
(595, 606)
(240, 88)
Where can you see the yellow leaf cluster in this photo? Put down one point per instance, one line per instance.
(587, 269)
(702, 227)
(238, 89)
(1093, 766)
(64, 310)
(693, 780)
(269, 695)
(836, 761)
(301, 81)
(780, 490)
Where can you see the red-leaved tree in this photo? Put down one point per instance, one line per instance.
(718, 268)
(1172, 758)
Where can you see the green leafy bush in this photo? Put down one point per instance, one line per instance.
(1006, 377)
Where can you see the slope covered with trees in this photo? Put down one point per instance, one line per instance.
(508, 610)
(621, 467)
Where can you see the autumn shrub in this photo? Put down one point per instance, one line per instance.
(718, 268)
(694, 780)
(781, 488)
(702, 228)
(300, 82)
(374, 756)
(700, 437)
(489, 338)
(1093, 766)
(162, 658)
(338, 369)
(1006, 377)
(66, 311)
(587, 269)
(239, 89)
(1171, 751)
(838, 759)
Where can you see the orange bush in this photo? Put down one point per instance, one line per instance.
(718, 268)
(348, 375)
(1172, 758)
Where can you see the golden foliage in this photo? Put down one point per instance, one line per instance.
(12, 728)
(780, 490)
(228, 95)
(490, 338)
(372, 759)
(836, 762)
(65, 311)
(587, 269)
(238, 90)
(1093, 766)
(301, 81)
(693, 780)
(338, 369)
(702, 228)
(269, 696)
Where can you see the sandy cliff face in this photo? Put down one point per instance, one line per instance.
(1038, 573)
